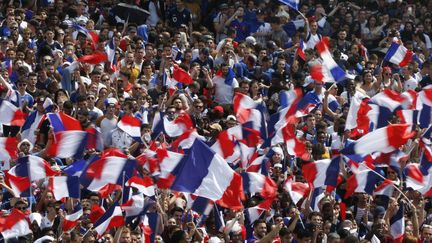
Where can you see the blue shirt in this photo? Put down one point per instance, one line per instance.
(242, 30)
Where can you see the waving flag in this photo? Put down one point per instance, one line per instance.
(167, 164)
(386, 139)
(30, 125)
(143, 185)
(179, 126)
(384, 191)
(212, 177)
(111, 168)
(8, 148)
(68, 144)
(130, 125)
(291, 3)
(11, 115)
(14, 225)
(95, 58)
(301, 50)
(110, 51)
(62, 122)
(70, 221)
(397, 224)
(424, 107)
(329, 71)
(398, 54)
(64, 186)
(90, 34)
(362, 181)
(137, 205)
(181, 75)
(322, 172)
(112, 218)
(258, 183)
(296, 190)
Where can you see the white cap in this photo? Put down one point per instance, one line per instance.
(36, 217)
(308, 80)
(251, 40)
(283, 13)
(214, 239)
(279, 151)
(25, 140)
(231, 117)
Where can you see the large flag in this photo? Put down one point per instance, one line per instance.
(322, 172)
(212, 177)
(10, 114)
(71, 220)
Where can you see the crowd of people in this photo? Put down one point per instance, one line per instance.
(187, 62)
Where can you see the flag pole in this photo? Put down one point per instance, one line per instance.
(123, 183)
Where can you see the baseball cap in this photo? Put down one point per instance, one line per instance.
(218, 108)
(308, 80)
(251, 40)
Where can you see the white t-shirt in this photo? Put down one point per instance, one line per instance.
(312, 41)
(224, 93)
(411, 83)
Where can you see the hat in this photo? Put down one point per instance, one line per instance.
(205, 51)
(216, 127)
(271, 45)
(214, 239)
(223, 6)
(218, 108)
(387, 69)
(231, 117)
(25, 141)
(251, 40)
(67, 63)
(308, 80)
(111, 101)
(282, 13)
(132, 29)
(278, 165)
(278, 150)
(36, 217)
(379, 211)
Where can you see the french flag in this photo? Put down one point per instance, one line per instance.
(296, 190)
(14, 225)
(258, 183)
(329, 71)
(186, 140)
(301, 50)
(148, 226)
(294, 145)
(167, 163)
(398, 54)
(290, 99)
(135, 206)
(397, 224)
(110, 51)
(252, 214)
(11, 115)
(173, 129)
(8, 148)
(362, 181)
(291, 3)
(68, 144)
(386, 139)
(242, 106)
(424, 107)
(143, 185)
(70, 221)
(226, 145)
(111, 168)
(64, 186)
(212, 177)
(62, 122)
(384, 190)
(94, 58)
(112, 218)
(416, 177)
(389, 99)
(181, 75)
(131, 125)
(201, 205)
(322, 172)
(308, 103)
(30, 125)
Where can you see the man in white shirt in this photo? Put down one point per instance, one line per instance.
(225, 85)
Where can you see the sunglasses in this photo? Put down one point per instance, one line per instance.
(90, 98)
(21, 208)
